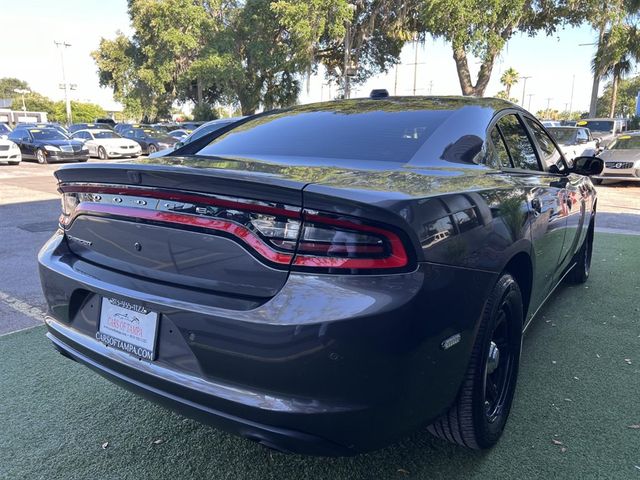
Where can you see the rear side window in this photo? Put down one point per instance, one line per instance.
(522, 151)
(499, 156)
(550, 154)
(375, 135)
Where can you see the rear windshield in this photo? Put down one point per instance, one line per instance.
(597, 125)
(627, 142)
(563, 135)
(376, 135)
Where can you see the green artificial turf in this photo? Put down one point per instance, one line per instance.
(575, 387)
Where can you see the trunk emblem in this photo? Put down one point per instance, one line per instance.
(137, 246)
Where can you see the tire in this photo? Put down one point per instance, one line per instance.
(582, 259)
(41, 157)
(152, 149)
(82, 160)
(14, 163)
(597, 181)
(478, 416)
(102, 154)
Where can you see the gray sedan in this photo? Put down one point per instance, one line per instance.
(621, 159)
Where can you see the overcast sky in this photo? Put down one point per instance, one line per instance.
(29, 28)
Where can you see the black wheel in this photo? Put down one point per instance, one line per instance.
(479, 414)
(597, 181)
(82, 160)
(152, 149)
(582, 260)
(41, 156)
(102, 154)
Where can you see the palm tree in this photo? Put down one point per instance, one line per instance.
(509, 78)
(614, 58)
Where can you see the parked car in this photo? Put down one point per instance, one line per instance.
(9, 151)
(199, 132)
(4, 130)
(106, 144)
(325, 278)
(180, 133)
(190, 125)
(574, 142)
(89, 126)
(150, 139)
(551, 123)
(48, 145)
(622, 159)
(603, 129)
(106, 121)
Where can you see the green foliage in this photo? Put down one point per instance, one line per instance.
(8, 85)
(482, 27)
(376, 29)
(626, 104)
(204, 112)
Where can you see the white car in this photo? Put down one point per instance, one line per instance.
(575, 142)
(106, 144)
(9, 152)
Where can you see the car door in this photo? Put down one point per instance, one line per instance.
(27, 145)
(546, 196)
(575, 195)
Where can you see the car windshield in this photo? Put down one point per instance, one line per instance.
(597, 125)
(627, 142)
(47, 134)
(563, 135)
(105, 135)
(387, 136)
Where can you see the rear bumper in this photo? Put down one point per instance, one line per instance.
(332, 365)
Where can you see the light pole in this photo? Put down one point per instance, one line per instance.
(529, 104)
(548, 105)
(573, 82)
(22, 91)
(67, 101)
(524, 88)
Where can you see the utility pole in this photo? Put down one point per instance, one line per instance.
(573, 82)
(430, 86)
(22, 91)
(62, 46)
(524, 88)
(548, 104)
(415, 67)
(529, 104)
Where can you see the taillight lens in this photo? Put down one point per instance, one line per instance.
(338, 244)
(277, 234)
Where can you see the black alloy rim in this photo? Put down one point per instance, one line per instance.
(499, 366)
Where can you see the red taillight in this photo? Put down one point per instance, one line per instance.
(339, 243)
(279, 235)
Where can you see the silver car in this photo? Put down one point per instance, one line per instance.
(621, 159)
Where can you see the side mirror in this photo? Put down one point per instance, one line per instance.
(178, 145)
(587, 166)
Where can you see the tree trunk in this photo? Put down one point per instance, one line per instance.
(199, 91)
(508, 91)
(596, 76)
(614, 93)
(464, 76)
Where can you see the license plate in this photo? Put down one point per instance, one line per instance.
(128, 327)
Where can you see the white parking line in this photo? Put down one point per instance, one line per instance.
(22, 307)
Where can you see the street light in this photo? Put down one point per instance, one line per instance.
(22, 91)
(63, 46)
(524, 88)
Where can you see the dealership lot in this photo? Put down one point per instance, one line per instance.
(576, 400)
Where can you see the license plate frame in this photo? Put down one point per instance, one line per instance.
(128, 327)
